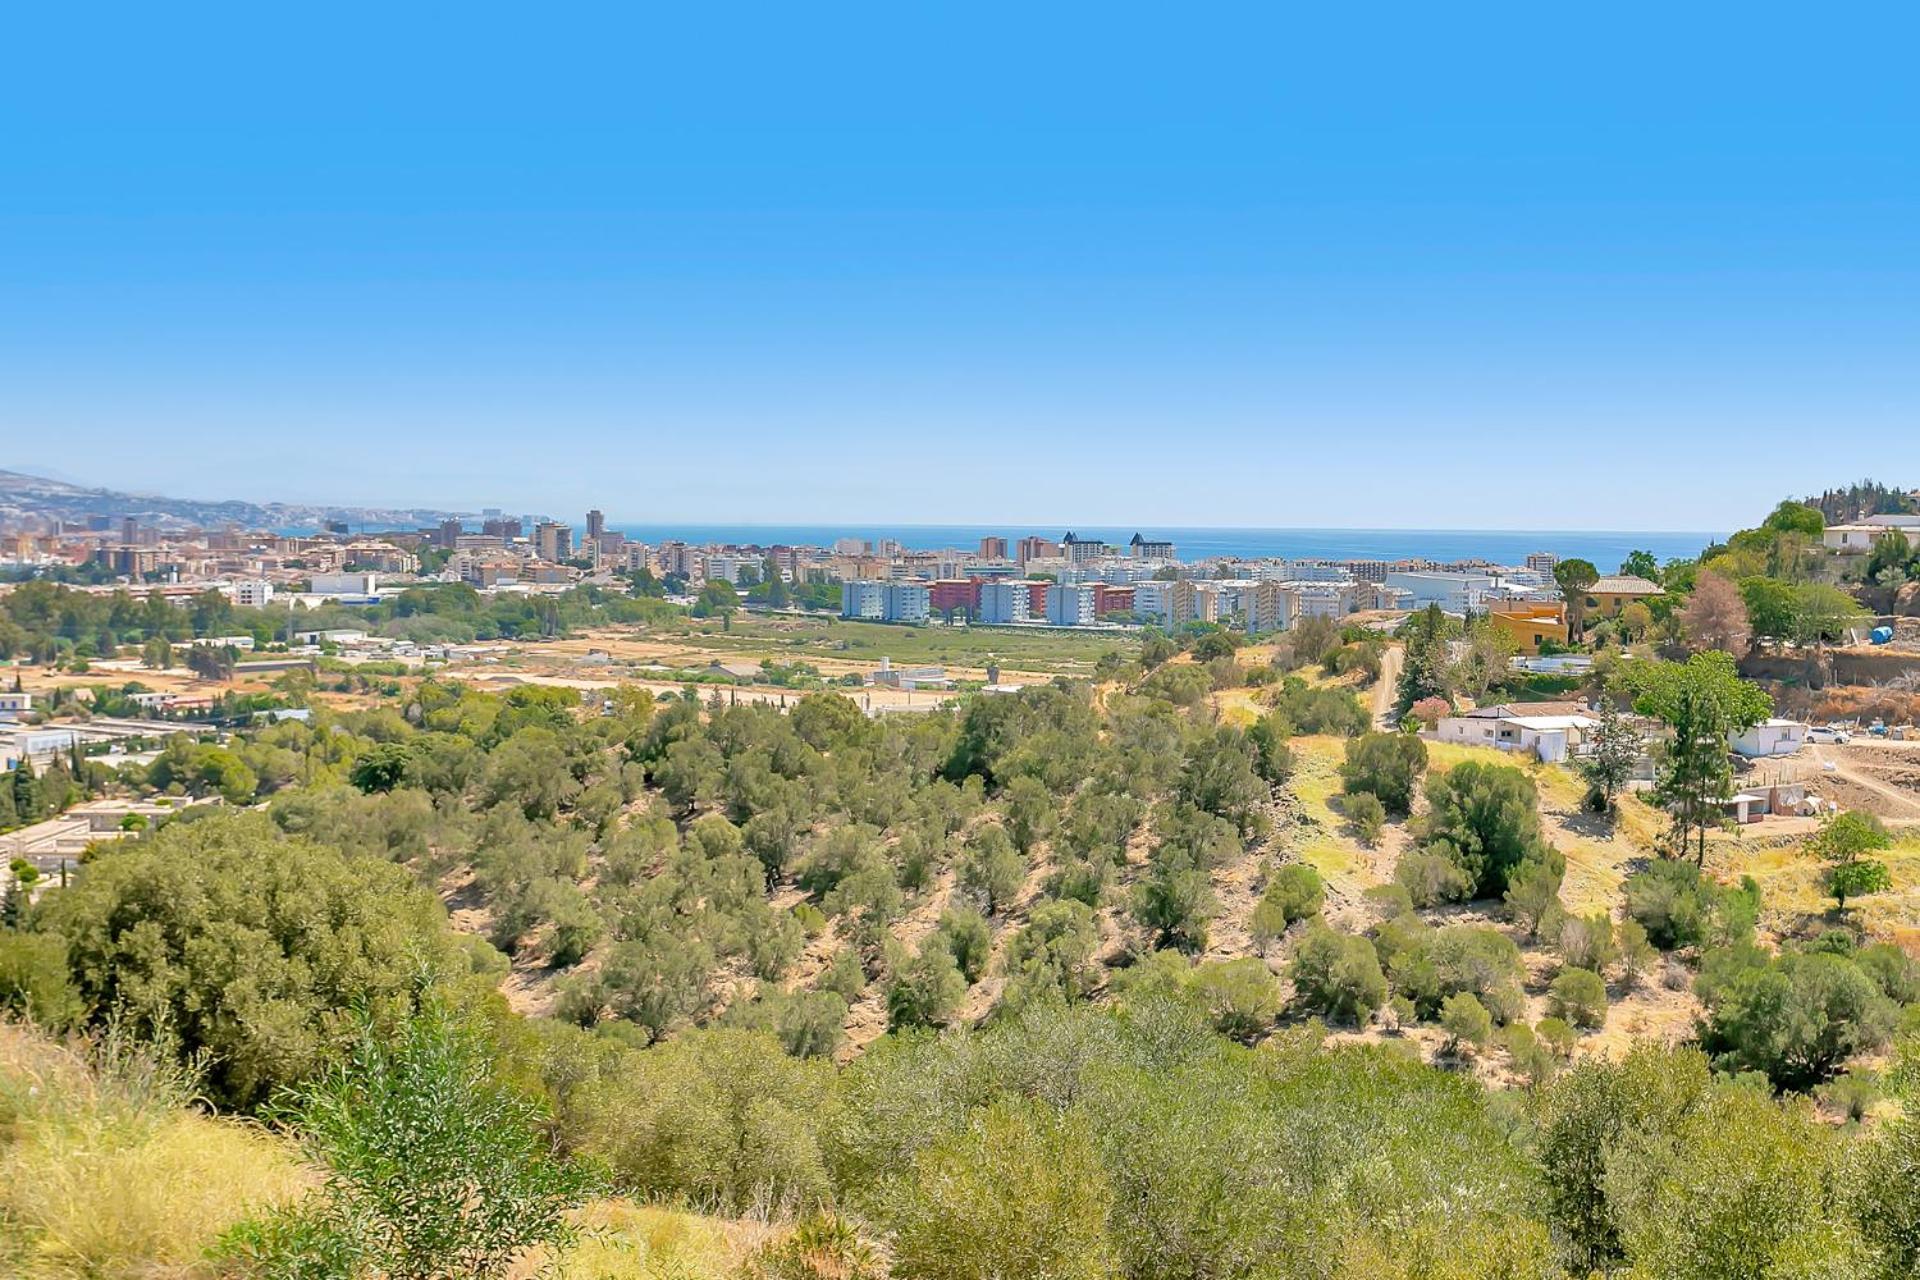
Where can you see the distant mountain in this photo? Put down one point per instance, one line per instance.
(26, 499)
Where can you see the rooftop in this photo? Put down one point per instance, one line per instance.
(1625, 585)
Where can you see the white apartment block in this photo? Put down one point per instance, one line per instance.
(1005, 602)
(345, 584)
(1070, 604)
(869, 600)
(1453, 592)
(251, 593)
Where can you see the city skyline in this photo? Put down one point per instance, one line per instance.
(1276, 271)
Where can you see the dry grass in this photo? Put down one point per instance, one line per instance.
(106, 1174)
(626, 1241)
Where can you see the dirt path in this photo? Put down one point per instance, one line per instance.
(1387, 685)
(1903, 801)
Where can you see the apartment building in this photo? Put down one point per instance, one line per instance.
(1071, 604)
(869, 600)
(1005, 602)
(251, 593)
(1270, 606)
(553, 541)
(993, 548)
(1453, 592)
(345, 584)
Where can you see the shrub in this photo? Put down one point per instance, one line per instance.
(1586, 942)
(1485, 819)
(1240, 996)
(1797, 1017)
(163, 926)
(1337, 974)
(1534, 893)
(432, 1166)
(1385, 765)
(1430, 965)
(820, 1247)
(1579, 996)
(1431, 878)
(1679, 907)
(1018, 1192)
(926, 991)
(1295, 893)
(1466, 1022)
(1368, 816)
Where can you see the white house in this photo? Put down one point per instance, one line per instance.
(1770, 738)
(1550, 738)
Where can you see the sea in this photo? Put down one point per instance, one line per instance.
(1606, 549)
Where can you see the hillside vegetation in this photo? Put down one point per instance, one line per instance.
(1209, 965)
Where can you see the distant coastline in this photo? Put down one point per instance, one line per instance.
(1500, 546)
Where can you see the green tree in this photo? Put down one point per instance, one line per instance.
(1018, 1192)
(926, 991)
(1703, 701)
(1485, 819)
(1614, 747)
(156, 654)
(381, 769)
(227, 937)
(1466, 1022)
(1294, 893)
(1580, 997)
(434, 1168)
(27, 804)
(1386, 765)
(1053, 953)
(1574, 578)
(1337, 974)
(1641, 564)
(1857, 879)
(991, 868)
(1797, 1017)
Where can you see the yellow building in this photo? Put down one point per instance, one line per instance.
(1530, 623)
(1609, 595)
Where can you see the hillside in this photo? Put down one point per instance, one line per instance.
(35, 498)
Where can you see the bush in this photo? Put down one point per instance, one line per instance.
(1240, 996)
(1797, 1017)
(926, 991)
(1018, 1192)
(1431, 878)
(1368, 816)
(717, 1116)
(1295, 893)
(432, 1166)
(1485, 819)
(1385, 765)
(1429, 965)
(163, 927)
(1579, 996)
(1534, 894)
(1679, 907)
(1466, 1022)
(1586, 942)
(1337, 974)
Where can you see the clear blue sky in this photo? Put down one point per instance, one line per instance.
(1529, 266)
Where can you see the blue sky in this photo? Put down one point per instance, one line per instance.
(1631, 268)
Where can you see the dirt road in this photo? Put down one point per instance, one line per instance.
(1904, 803)
(1388, 685)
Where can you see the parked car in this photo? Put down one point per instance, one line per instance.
(1817, 734)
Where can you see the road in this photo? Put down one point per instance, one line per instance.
(1387, 686)
(1904, 801)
